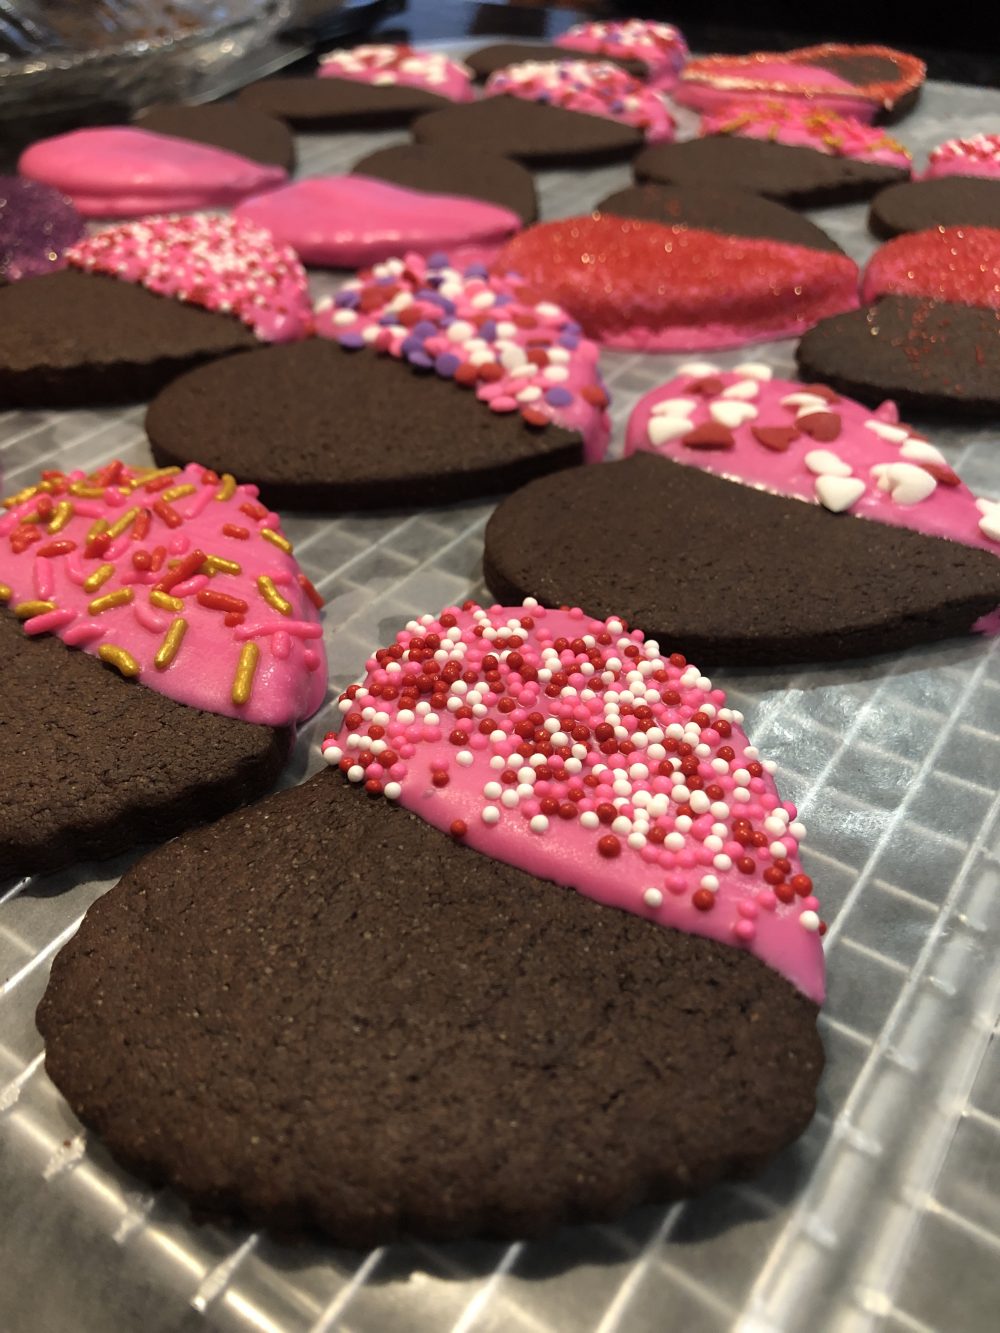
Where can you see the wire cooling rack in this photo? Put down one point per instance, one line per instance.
(885, 1215)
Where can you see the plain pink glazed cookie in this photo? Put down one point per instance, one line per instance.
(595, 88)
(385, 65)
(659, 46)
(121, 171)
(608, 766)
(351, 221)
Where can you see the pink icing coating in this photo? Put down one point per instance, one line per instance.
(221, 263)
(120, 171)
(978, 155)
(591, 87)
(806, 126)
(468, 326)
(138, 535)
(660, 46)
(350, 221)
(574, 749)
(387, 64)
(817, 446)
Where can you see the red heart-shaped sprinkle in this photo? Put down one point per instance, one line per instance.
(711, 435)
(709, 386)
(776, 438)
(942, 473)
(820, 426)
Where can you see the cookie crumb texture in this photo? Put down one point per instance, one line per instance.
(321, 1013)
(97, 764)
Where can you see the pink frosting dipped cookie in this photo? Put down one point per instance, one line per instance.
(222, 263)
(386, 64)
(657, 288)
(350, 221)
(802, 126)
(519, 355)
(960, 264)
(978, 155)
(807, 442)
(121, 171)
(595, 88)
(577, 750)
(178, 578)
(859, 81)
(659, 46)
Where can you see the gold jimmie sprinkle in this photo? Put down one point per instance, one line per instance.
(100, 575)
(120, 658)
(271, 595)
(25, 610)
(120, 597)
(218, 564)
(227, 488)
(276, 539)
(245, 670)
(61, 516)
(171, 644)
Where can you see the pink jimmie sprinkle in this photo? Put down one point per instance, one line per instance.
(222, 263)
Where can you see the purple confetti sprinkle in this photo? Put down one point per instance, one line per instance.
(420, 359)
(352, 341)
(446, 364)
(437, 260)
(557, 396)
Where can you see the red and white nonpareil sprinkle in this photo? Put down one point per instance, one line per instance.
(224, 264)
(575, 749)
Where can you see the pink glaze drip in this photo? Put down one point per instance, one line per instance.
(350, 221)
(802, 126)
(526, 357)
(812, 445)
(157, 539)
(629, 779)
(978, 155)
(660, 46)
(657, 288)
(221, 263)
(590, 87)
(119, 171)
(387, 65)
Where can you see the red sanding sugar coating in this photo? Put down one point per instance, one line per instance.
(658, 288)
(579, 751)
(960, 264)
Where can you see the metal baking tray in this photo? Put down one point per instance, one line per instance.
(885, 1215)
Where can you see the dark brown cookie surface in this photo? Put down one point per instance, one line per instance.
(238, 129)
(798, 176)
(852, 586)
(318, 427)
(536, 133)
(951, 201)
(323, 1013)
(97, 764)
(80, 339)
(488, 59)
(929, 356)
(460, 171)
(730, 212)
(339, 104)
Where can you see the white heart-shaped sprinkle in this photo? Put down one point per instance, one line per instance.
(986, 506)
(839, 493)
(697, 368)
(823, 462)
(742, 389)
(922, 452)
(755, 369)
(909, 484)
(894, 434)
(810, 400)
(674, 407)
(732, 413)
(663, 429)
(989, 524)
